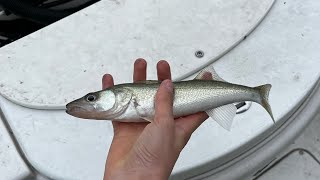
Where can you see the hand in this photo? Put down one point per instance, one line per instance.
(150, 150)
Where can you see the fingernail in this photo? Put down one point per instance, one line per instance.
(162, 62)
(207, 76)
(140, 60)
(168, 85)
(106, 76)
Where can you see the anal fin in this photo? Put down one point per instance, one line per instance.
(223, 115)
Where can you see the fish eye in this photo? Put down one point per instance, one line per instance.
(91, 98)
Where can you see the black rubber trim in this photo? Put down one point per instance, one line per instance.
(33, 13)
(55, 3)
(19, 26)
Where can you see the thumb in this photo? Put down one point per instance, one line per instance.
(164, 103)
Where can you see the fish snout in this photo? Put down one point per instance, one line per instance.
(73, 108)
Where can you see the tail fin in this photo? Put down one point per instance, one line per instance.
(264, 94)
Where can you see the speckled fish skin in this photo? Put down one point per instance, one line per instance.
(135, 102)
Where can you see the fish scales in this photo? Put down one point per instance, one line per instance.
(192, 96)
(135, 102)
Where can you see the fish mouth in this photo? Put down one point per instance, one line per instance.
(72, 109)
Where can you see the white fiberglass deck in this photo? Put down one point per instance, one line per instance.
(281, 51)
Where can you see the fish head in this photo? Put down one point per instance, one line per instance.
(93, 105)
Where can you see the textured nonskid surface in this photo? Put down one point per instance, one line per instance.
(11, 164)
(301, 160)
(61, 62)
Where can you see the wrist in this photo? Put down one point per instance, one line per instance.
(137, 175)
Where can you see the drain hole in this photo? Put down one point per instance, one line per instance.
(239, 105)
(243, 106)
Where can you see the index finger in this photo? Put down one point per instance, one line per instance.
(107, 81)
(140, 70)
(163, 70)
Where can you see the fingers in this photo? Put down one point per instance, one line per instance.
(140, 70)
(185, 126)
(164, 103)
(139, 74)
(190, 123)
(107, 81)
(123, 129)
(163, 70)
(207, 76)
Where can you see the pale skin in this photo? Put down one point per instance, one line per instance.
(150, 150)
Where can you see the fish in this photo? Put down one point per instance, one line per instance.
(134, 102)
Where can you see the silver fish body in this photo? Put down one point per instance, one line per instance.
(135, 102)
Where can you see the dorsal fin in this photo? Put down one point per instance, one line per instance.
(223, 115)
(209, 69)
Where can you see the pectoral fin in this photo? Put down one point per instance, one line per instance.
(147, 119)
(211, 70)
(223, 115)
(123, 96)
(142, 112)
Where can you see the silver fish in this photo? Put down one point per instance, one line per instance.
(135, 102)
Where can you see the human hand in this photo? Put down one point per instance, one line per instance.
(150, 150)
